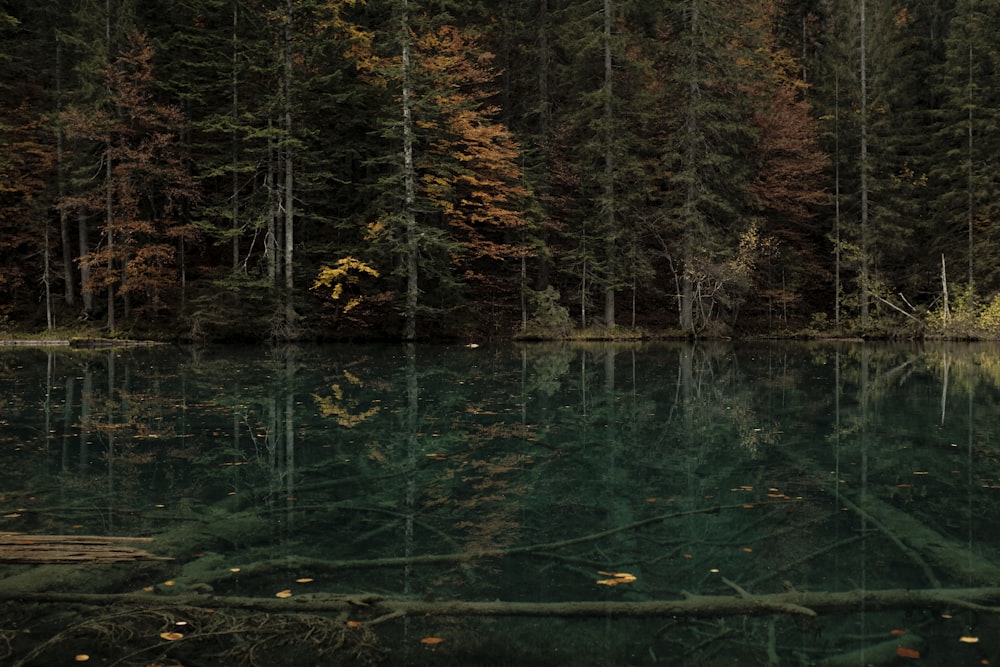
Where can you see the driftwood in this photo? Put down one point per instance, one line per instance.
(76, 549)
(378, 608)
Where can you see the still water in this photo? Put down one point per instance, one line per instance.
(505, 505)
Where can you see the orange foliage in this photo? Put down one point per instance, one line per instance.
(470, 173)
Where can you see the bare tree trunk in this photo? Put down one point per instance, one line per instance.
(609, 171)
(687, 286)
(836, 202)
(865, 249)
(84, 240)
(970, 176)
(69, 293)
(233, 138)
(945, 313)
(289, 175)
(409, 185)
(47, 279)
(109, 221)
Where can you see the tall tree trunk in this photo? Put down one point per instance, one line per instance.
(274, 213)
(47, 279)
(609, 171)
(69, 291)
(687, 286)
(109, 221)
(289, 175)
(108, 200)
(409, 185)
(83, 230)
(836, 200)
(233, 138)
(544, 123)
(865, 243)
(970, 176)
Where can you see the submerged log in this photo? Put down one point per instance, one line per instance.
(64, 549)
(378, 607)
(98, 343)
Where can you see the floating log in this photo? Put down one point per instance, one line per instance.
(77, 549)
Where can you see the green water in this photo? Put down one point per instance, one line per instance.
(509, 474)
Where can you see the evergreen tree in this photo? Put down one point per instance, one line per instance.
(712, 57)
(966, 173)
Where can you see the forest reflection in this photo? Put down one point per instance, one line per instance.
(532, 473)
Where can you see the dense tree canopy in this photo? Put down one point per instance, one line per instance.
(680, 166)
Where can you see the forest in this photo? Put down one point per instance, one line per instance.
(239, 170)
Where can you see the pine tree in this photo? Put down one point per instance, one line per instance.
(712, 56)
(966, 170)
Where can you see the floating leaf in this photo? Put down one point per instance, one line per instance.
(234, 569)
(748, 550)
(283, 594)
(897, 632)
(304, 580)
(430, 641)
(688, 556)
(170, 582)
(82, 657)
(617, 578)
(904, 652)
(171, 636)
(969, 640)
(354, 624)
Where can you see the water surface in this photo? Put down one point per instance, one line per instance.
(528, 475)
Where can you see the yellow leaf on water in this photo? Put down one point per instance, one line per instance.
(283, 594)
(82, 657)
(969, 640)
(431, 640)
(171, 636)
(171, 582)
(304, 580)
(617, 578)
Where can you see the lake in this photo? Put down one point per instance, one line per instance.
(539, 504)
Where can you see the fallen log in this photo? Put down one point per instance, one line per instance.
(76, 549)
(379, 607)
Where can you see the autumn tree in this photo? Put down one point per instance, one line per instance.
(145, 190)
(452, 194)
(26, 160)
(788, 187)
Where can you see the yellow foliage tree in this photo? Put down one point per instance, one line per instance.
(346, 272)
